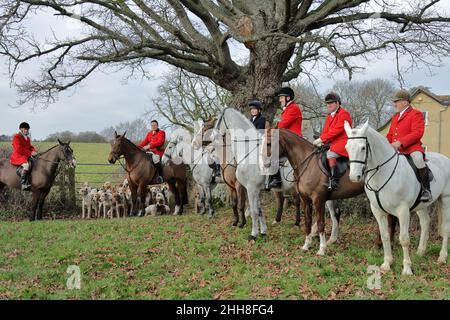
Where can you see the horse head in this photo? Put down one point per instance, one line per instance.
(358, 150)
(116, 147)
(66, 154)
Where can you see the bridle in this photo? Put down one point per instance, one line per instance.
(375, 170)
(39, 156)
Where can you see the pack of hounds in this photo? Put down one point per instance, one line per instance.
(114, 201)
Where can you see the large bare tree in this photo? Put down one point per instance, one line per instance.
(281, 38)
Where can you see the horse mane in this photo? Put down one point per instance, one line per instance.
(129, 142)
(44, 152)
(296, 136)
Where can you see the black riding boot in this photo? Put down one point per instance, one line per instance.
(216, 171)
(159, 169)
(24, 180)
(424, 178)
(274, 181)
(333, 181)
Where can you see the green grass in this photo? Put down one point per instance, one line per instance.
(191, 257)
(88, 153)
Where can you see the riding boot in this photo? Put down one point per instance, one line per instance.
(159, 169)
(424, 178)
(333, 181)
(274, 181)
(24, 181)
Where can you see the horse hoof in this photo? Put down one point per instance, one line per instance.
(234, 224)
(385, 267)
(420, 252)
(241, 225)
(331, 241)
(321, 252)
(442, 259)
(263, 235)
(305, 248)
(251, 238)
(275, 222)
(297, 224)
(407, 271)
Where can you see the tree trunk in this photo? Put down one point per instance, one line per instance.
(268, 61)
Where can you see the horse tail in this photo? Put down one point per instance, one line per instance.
(440, 213)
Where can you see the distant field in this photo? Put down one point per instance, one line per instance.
(88, 153)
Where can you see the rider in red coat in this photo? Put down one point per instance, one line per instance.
(291, 119)
(406, 130)
(333, 133)
(22, 151)
(154, 141)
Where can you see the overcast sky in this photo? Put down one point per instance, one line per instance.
(104, 99)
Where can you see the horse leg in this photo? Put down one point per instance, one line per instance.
(382, 221)
(404, 218)
(42, 198)
(392, 222)
(143, 195)
(424, 219)
(308, 222)
(34, 204)
(319, 207)
(297, 208)
(280, 202)
(444, 224)
(209, 202)
(241, 195)
(254, 211)
(234, 204)
(261, 217)
(332, 206)
(133, 189)
(173, 189)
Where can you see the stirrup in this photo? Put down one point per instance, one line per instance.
(26, 187)
(332, 184)
(159, 179)
(426, 195)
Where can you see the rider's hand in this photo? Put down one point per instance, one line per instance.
(33, 153)
(396, 145)
(146, 147)
(318, 142)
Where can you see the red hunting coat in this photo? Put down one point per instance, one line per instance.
(333, 131)
(409, 129)
(22, 149)
(156, 141)
(291, 119)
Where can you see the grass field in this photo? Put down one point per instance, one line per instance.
(191, 257)
(88, 153)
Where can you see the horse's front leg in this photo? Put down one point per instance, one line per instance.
(34, 204)
(319, 207)
(133, 189)
(404, 218)
(280, 203)
(174, 190)
(254, 211)
(209, 202)
(382, 221)
(143, 195)
(42, 198)
(297, 203)
(308, 223)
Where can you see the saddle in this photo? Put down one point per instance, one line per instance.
(342, 163)
(416, 171)
(19, 169)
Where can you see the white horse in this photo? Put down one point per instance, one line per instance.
(389, 174)
(180, 150)
(245, 142)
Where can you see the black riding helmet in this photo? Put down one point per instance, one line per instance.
(255, 104)
(332, 97)
(24, 125)
(287, 92)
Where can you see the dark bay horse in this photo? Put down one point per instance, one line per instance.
(141, 172)
(42, 175)
(311, 181)
(237, 191)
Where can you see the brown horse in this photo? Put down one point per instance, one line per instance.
(43, 174)
(311, 181)
(141, 172)
(237, 191)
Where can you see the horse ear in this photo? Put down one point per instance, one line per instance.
(123, 136)
(60, 142)
(347, 128)
(364, 127)
(115, 134)
(68, 142)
